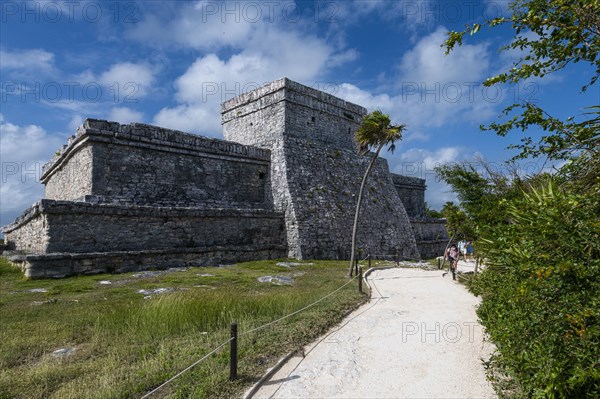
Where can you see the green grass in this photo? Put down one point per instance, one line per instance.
(126, 345)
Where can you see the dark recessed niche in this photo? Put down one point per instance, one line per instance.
(262, 175)
(312, 119)
(251, 124)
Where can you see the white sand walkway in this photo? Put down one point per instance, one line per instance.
(417, 338)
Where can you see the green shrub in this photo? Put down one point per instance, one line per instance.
(541, 291)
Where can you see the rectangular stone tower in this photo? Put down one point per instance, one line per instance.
(316, 171)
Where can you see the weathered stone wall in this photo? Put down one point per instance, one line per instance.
(58, 265)
(255, 118)
(429, 228)
(29, 233)
(282, 197)
(172, 179)
(324, 183)
(320, 117)
(72, 175)
(288, 108)
(431, 236)
(316, 173)
(83, 227)
(82, 234)
(143, 164)
(412, 193)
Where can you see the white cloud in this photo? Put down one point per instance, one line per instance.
(27, 63)
(433, 90)
(383, 102)
(125, 115)
(426, 62)
(415, 135)
(203, 25)
(438, 89)
(133, 80)
(241, 45)
(97, 95)
(191, 118)
(23, 150)
(271, 53)
(343, 57)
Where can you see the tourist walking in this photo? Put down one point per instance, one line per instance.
(462, 249)
(453, 258)
(470, 251)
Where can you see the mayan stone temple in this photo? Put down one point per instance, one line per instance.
(282, 184)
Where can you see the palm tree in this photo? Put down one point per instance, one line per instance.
(375, 131)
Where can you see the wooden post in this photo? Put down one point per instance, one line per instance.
(369, 257)
(360, 277)
(233, 353)
(397, 258)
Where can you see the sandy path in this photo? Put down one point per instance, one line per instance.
(417, 338)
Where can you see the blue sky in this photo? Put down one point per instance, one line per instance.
(172, 63)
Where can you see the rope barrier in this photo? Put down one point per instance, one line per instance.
(241, 335)
(183, 371)
(297, 311)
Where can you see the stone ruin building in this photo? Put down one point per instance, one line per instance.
(282, 184)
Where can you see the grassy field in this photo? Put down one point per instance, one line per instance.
(125, 343)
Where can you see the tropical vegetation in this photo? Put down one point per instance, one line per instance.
(540, 233)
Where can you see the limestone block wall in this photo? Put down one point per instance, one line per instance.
(78, 227)
(323, 182)
(255, 118)
(431, 236)
(316, 173)
(72, 178)
(317, 116)
(283, 201)
(58, 265)
(288, 108)
(142, 164)
(412, 193)
(61, 238)
(29, 233)
(429, 228)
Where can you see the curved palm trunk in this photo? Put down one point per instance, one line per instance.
(358, 203)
